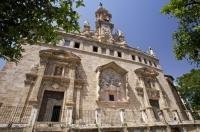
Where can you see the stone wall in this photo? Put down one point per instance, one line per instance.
(14, 92)
(12, 87)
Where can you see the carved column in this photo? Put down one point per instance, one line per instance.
(69, 111)
(78, 97)
(98, 116)
(70, 89)
(147, 104)
(140, 92)
(68, 97)
(107, 51)
(33, 115)
(163, 104)
(122, 116)
(98, 88)
(34, 93)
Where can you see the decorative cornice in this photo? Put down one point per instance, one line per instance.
(59, 55)
(146, 72)
(69, 103)
(113, 104)
(110, 57)
(92, 40)
(58, 79)
(79, 82)
(113, 66)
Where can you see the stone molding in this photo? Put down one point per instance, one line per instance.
(59, 55)
(114, 66)
(146, 72)
(58, 79)
(117, 46)
(112, 104)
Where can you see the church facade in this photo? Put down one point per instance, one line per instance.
(91, 82)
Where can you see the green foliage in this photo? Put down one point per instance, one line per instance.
(32, 21)
(187, 40)
(189, 87)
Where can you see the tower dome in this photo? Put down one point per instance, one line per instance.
(103, 14)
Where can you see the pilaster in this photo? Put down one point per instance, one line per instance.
(147, 104)
(33, 97)
(70, 90)
(78, 97)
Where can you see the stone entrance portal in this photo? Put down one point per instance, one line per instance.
(51, 106)
(175, 129)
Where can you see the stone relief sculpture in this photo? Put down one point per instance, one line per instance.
(112, 86)
(119, 37)
(110, 78)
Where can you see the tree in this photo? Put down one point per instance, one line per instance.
(187, 36)
(189, 88)
(32, 21)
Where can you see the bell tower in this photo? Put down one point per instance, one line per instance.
(104, 26)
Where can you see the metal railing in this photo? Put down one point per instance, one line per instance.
(22, 115)
(108, 117)
(14, 115)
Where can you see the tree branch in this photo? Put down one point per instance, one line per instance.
(192, 3)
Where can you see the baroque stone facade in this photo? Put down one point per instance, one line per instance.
(92, 81)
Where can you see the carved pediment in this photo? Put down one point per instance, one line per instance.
(112, 82)
(114, 66)
(146, 72)
(59, 55)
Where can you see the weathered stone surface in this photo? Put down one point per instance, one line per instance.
(105, 85)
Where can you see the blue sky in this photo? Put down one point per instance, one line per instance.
(143, 26)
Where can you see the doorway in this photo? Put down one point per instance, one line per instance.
(51, 106)
(56, 113)
(175, 129)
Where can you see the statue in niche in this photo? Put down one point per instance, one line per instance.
(58, 71)
(147, 83)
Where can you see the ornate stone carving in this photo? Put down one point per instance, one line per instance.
(140, 91)
(113, 104)
(110, 79)
(86, 30)
(146, 72)
(112, 83)
(59, 55)
(56, 79)
(120, 38)
(58, 71)
(32, 76)
(153, 94)
(55, 86)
